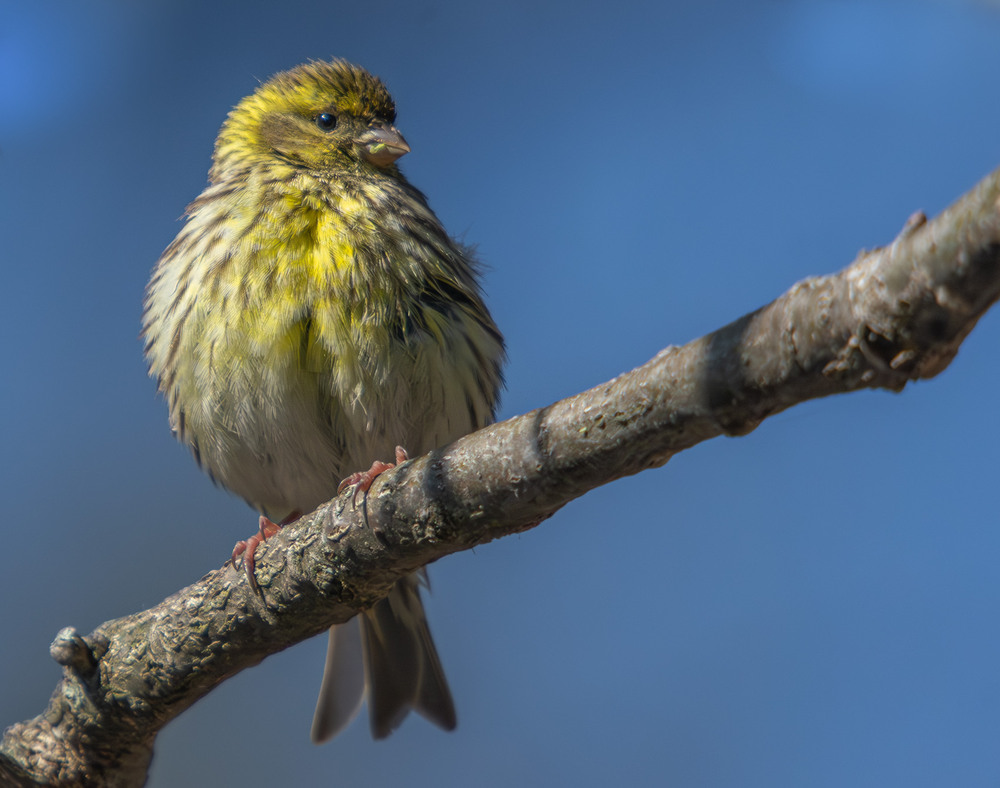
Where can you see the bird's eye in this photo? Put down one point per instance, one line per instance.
(326, 121)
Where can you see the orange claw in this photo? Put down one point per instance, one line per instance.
(248, 547)
(363, 480)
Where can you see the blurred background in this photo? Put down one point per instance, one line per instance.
(813, 604)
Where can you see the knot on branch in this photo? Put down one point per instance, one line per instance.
(71, 651)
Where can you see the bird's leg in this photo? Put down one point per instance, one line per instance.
(248, 547)
(363, 480)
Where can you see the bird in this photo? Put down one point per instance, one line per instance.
(311, 316)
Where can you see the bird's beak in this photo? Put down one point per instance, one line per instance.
(382, 145)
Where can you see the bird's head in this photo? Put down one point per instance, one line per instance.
(325, 116)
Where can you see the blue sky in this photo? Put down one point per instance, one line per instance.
(813, 604)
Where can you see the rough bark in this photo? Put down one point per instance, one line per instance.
(898, 313)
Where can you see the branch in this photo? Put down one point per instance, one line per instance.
(898, 313)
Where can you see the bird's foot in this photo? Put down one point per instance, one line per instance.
(247, 548)
(363, 480)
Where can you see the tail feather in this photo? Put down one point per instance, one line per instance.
(402, 670)
(343, 686)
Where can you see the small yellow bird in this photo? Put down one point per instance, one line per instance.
(312, 314)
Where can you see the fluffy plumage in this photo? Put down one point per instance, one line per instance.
(312, 314)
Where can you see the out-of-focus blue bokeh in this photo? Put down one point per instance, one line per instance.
(813, 604)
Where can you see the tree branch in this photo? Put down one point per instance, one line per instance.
(898, 313)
